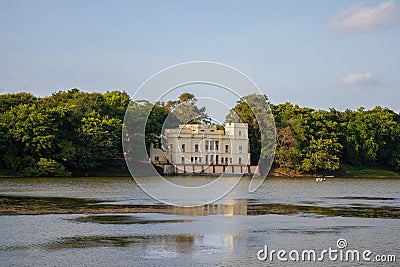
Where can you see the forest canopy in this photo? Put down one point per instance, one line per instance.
(74, 132)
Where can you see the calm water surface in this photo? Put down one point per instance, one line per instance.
(285, 213)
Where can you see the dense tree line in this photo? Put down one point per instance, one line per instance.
(66, 132)
(309, 140)
(77, 132)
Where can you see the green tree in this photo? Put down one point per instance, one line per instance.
(307, 139)
(99, 141)
(186, 111)
(31, 132)
(8, 101)
(253, 110)
(371, 137)
(116, 102)
(47, 167)
(154, 124)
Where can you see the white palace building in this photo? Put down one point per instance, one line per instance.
(202, 149)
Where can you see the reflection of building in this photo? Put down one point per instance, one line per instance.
(199, 148)
(210, 209)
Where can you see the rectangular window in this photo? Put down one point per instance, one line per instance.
(199, 159)
(170, 146)
(240, 148)
(191, 159)
(183, 147)
(211, 158)
(230, 160)
(206, 159)
(226, 148)
(226, 161)
(222, 160)
(240, 133)
(206, 147)
(240, 161)
(183, 160)
(157, 158)
(196, 148)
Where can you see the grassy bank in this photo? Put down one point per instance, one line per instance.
(344, 171)
(370, 171)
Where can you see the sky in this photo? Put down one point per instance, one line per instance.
(339, 54)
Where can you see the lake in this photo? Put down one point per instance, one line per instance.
(111, 221)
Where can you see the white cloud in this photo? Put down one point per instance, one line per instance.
(361, 18)
(360, 79)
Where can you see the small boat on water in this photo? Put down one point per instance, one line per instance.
(321, 178)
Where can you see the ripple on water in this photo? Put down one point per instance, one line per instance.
(53, 205)
(182, 241)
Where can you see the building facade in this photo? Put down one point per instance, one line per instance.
(200, 148)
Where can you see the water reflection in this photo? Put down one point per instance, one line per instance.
(124, 219)
(181, 243)
(86, 222)
(151, 245)
(12, 205)
(211, 209)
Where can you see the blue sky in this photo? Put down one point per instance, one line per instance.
(321, 54)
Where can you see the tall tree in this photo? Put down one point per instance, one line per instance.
(253, 109)
(186, 111)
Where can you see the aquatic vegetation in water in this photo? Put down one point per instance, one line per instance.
(124, 219)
